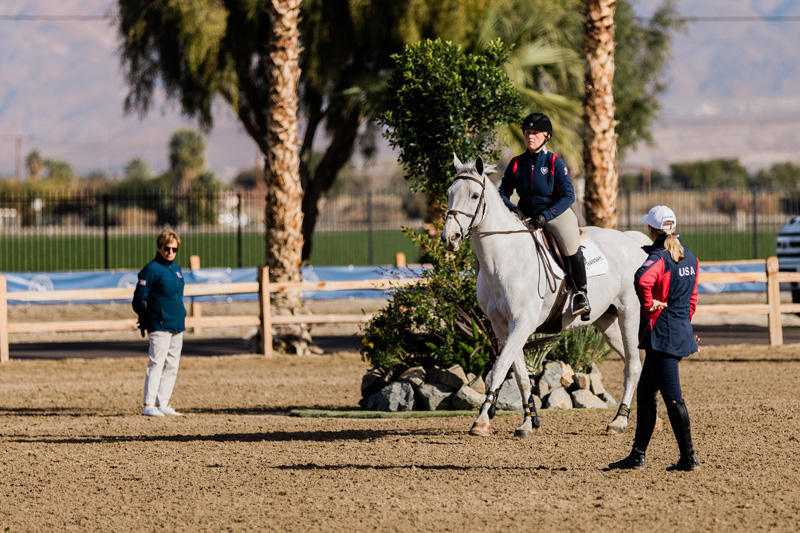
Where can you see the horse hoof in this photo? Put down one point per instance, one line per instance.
(617, 427)
(522, 433)
(481, 430)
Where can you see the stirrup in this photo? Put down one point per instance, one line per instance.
(580, 305)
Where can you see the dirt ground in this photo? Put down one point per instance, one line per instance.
(76, 455)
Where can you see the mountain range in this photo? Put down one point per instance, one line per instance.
(733, 81)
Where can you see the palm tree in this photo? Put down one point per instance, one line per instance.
(544, 66)
(600, 139)
(282, 163)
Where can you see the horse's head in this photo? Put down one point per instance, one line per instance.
(466, 205)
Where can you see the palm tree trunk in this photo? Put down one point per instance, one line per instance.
(284, 216)
(600, 139)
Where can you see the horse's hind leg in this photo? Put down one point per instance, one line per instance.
(530, 418)
(624, 340)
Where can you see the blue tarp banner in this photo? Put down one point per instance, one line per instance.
(49, 281)
(102, 279)
(716, 288)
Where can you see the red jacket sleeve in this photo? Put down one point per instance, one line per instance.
(646, 282)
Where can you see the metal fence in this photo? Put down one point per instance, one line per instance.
(86, 230)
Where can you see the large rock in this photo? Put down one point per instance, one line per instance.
(552, 375)
(397, 396)
(415, 376)
(582, 380)
(453, 377)
(542, 388)
(597, 384)
(478, 384)
(558, 399)
(368, 379)
(467, 398)
(606, 397)
(567, 374)
(434, 396)
(509, 398)
(583, 399)
(375, 380)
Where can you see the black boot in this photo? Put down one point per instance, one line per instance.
(577, 270)
(679, 418)
(634, 460)
(645, 422)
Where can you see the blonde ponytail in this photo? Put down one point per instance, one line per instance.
(671, 243)
(674, 247)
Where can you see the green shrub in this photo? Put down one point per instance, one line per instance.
(580, 348)
(434, 323)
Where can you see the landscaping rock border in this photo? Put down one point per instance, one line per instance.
(557, 386)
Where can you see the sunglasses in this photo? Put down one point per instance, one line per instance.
(171, 249)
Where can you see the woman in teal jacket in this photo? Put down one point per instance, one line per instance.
(158, 300)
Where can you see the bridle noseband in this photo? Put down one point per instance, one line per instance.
(472, 216)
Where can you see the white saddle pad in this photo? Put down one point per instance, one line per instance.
(596, 262)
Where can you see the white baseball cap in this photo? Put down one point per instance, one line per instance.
(660, 217)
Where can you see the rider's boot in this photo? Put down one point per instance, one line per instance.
(580, 301)
(635, 459)
(679, 418)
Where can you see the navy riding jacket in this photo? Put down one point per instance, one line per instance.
(667, 330)
(542, 182)
(158, 298)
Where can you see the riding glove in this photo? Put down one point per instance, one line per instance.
(538, 221)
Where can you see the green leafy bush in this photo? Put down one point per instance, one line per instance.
(580, 348)
(437, 322)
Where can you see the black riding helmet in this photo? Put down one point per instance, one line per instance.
(538, 122)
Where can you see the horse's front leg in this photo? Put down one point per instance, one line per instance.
(511, 351)
(530, 418)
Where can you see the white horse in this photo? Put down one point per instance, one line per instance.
(515, 289)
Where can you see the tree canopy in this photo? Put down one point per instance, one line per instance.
(444, 101)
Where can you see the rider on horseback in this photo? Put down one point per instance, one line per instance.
(545, 191)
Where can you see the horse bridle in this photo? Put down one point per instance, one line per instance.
(549, 275)
(481, 203)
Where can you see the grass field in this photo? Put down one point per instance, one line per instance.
(42, 253)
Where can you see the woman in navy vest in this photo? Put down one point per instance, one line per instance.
(545, 191)
(667, 288)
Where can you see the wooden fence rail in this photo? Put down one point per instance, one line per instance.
(265, 319)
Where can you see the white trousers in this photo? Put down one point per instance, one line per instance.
(162, 368)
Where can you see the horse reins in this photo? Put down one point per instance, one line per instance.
(549, 274)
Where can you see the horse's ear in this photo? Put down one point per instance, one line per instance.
(479, 165)
(457, 162)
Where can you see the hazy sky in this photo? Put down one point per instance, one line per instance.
(62, 90)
